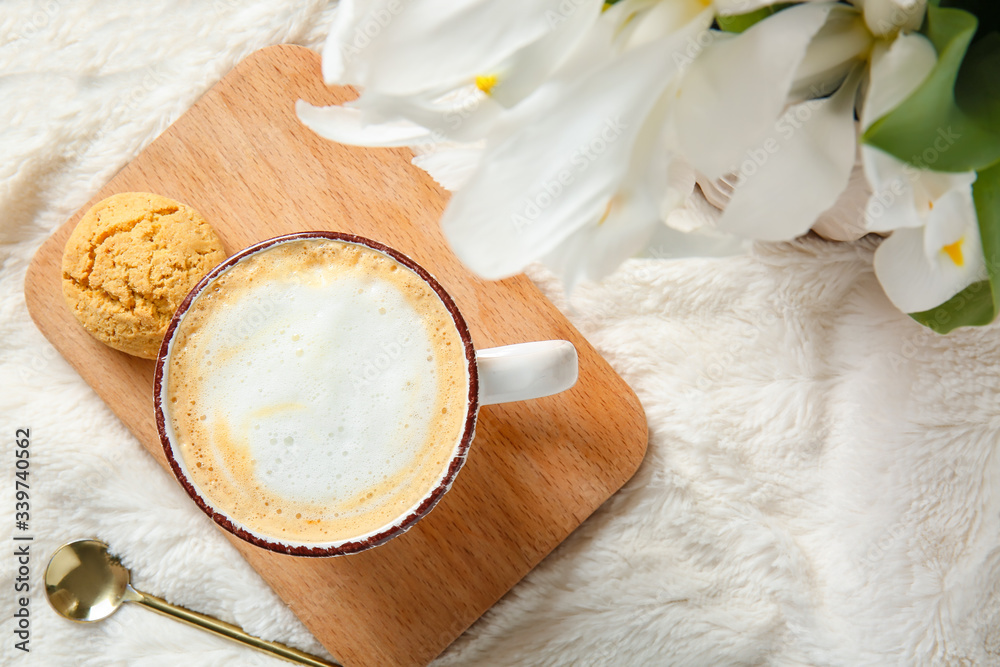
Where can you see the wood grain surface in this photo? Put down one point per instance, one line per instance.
(536, 470)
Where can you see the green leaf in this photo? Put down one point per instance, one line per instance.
(987, 11)
(972, 307)
(979, 303)
(978, 88)
(986, 194)
(929, 129)
(740, 22)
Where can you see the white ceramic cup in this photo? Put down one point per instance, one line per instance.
(496, 375)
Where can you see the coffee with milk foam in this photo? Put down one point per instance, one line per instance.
(317, 391)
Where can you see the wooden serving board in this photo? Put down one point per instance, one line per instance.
(536, 469)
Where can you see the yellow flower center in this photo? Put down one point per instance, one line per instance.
(954, 252)
(607, 212)
(486, 82)
(615, 200)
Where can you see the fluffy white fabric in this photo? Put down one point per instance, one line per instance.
(821, 487)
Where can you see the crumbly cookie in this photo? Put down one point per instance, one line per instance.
(130, 262)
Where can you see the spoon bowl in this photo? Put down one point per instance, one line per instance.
(84, 582)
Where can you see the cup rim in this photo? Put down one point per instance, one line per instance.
(400, 525)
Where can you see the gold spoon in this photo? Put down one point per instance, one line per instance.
(85, 583)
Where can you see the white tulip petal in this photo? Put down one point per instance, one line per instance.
(664, 18)
(444, 66)
(627, 223)
(596, 249)
(834, 51)
(344, 124)
(617, 23)
(592, 50)
(555, 172)
(669, 243)
(913, 283)
(461, 115)
(681, 179)
(734, 91)
(339, 57)
(896, 71)
(423, 44)
(450, 167)
(903, 195)
(697, 215)
(892, 204)
(948, 222)
(735, 7)
(798, 172)
(888, 17)
(625, 13)
(932, 185)
(529, 66)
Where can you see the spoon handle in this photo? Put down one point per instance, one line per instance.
(228, 630)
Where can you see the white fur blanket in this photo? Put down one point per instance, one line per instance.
(822, 485)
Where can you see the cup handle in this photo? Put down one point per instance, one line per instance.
(526, 370)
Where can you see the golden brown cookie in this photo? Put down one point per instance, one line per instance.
(130, 262)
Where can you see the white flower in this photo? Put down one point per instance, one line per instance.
(885, 18)
(538, 193)
(798, 171)
(434, 70)
(577, 178)
(571, 136)
(934, 250)
(797, 168)
(734, 91)
(920, 267)
(784, 149)
(517, 209)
